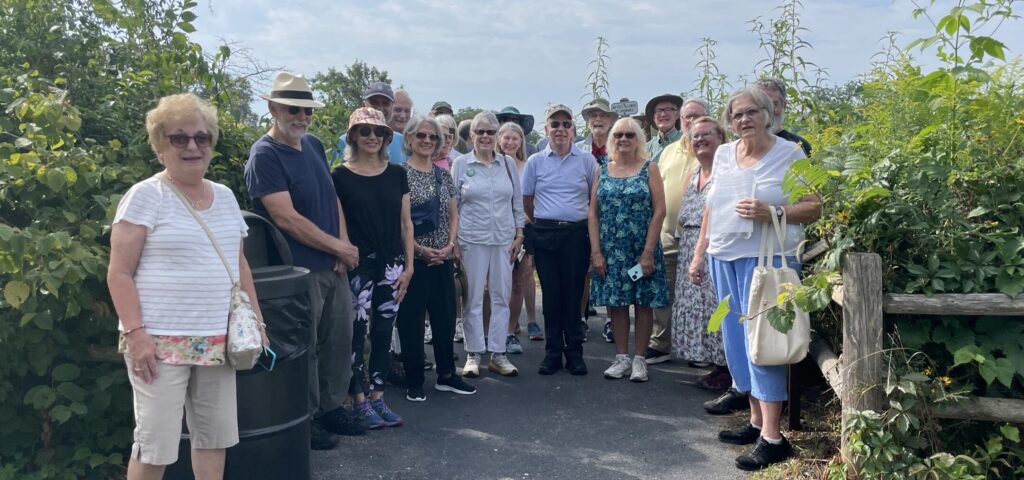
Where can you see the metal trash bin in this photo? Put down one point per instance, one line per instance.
(273, 407)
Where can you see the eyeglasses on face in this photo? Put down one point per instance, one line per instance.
(181, 140)
(481, 132)
(703, 135)
(380, 132)
(629, 135)
(563, 124)
(662, 110)
(737, 116)
(424, 135)
(295, 110)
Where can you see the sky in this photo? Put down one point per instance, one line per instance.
(530, 53)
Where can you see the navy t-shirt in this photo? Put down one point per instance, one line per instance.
(373, 208)
(275, 167)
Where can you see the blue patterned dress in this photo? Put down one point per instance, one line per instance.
(625, 215)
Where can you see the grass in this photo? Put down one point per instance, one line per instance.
(817, 445)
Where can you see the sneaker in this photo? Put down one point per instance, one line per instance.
(369, 417)
(472, 368)
(639, 370)
(534, 331)
(620, 367)
(428, 335)
(390, 418)
(341, 422)
(730, 401)
(512, 345)
(607, 333)
(575, 365)
(653, 356)
(551, 364)
(321, 439)
(764, 454)
(454, 384)
(745, 435)
(415, 394)
(460, 335)
(501, 365)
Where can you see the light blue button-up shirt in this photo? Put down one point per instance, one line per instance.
(490, 200)
(560, 186)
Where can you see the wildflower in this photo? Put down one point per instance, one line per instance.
(843, 216)
(947, 381)
(928, 371)
(1020, 121)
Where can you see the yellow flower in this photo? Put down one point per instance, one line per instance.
(927, 371)
(1020, 121)
(947, 381)
(843, 216)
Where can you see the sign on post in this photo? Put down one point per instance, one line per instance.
(624, 107)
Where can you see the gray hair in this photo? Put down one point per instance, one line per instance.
(698, 101)
(714, 123)
(519, 154)
(487, 117)
(447, 121)
(760, 100)
(774, 85)
(410, 131)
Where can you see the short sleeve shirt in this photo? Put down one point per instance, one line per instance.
(560, 186)
(373, 208)
(422, 188)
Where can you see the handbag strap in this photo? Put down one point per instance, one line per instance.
(195, 215)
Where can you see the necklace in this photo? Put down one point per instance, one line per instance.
(194, 203)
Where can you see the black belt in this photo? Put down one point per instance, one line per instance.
(558, 223)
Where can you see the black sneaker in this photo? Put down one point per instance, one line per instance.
(454, 384)
(320, 439)
(764, 454)
(608, 335)
(341, 422)
(653, 356)
(744, 435)
(550, 365)
(415, 394)
(730, 401)
(575, 365)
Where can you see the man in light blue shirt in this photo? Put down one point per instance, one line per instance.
(556, 196)
(378, 95)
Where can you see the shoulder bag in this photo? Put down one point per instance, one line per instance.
(426, 216)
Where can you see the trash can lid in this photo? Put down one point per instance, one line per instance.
(278, 281)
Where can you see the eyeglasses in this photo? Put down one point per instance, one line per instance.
(703, 135)
(737, 116)
(380, 132)
(665, 110)
(423, 135)
(629, 135)
(564, 124)
(451, 131)
(295, 110)
(481, 131)
(693, 116)
(181, 140)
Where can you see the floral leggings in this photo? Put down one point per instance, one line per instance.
(375, 309)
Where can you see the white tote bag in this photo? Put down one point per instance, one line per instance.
(768, 346)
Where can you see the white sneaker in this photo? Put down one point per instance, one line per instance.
(428, 335)
(501, 365)
(472, 368)
(459, 334)
(639, 370)
(620, 367)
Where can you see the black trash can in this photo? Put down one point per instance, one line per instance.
(273, 407)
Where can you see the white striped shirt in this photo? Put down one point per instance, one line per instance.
(183, 286)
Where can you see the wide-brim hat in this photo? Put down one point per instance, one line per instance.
(667, 97)
(598, 105)
(291, 89)
(369, 116)
(511, 114)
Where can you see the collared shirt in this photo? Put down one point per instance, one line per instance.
(490, 199)
(560, 186)
(600, 152)
(788, 135)
(659, 142)
(396, 155)
(676, 162)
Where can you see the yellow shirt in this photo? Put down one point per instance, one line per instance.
(675, 162)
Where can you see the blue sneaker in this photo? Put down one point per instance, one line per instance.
(512, 345)
(388, 417)
(534, 331)
(365, 413)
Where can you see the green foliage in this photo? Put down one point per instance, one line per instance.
(341, 92)
(712, 85)
(597, 79)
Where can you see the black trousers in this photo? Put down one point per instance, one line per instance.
(562, 256)
(431, 290)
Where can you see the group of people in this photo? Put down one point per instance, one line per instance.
(400, 228)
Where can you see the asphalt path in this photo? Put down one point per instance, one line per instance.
(546, 427)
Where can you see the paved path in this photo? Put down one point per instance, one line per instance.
(546, 428)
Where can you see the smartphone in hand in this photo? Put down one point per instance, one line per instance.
(635, 273)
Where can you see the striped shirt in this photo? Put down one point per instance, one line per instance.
(183, 286)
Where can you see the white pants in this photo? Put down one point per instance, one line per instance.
(486, 265)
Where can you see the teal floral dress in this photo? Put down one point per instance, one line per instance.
(625, 214)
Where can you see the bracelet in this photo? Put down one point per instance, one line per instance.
(130, 330)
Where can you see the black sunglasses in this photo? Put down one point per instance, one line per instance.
(564, 124)
(381, 132)
(295, 110)
(181, 140)
(422, 135)
(629, 135)
(481, 131)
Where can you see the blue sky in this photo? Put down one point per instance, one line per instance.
(530, 53)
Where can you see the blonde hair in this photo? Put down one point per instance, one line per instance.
(175, 108)
(629, 125)
(520, 153)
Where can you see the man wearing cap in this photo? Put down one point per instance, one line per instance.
(511, 114)
(289, 183)
(776, 91)
(378, 95)
(556, 195)
(441, 108)
(401, 111)
(663, 112)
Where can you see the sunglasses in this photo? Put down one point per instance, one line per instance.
(423, 135)
(380, 132)
(629, 135)
(564, 124)
(295, 110)
(181, 140)
(481, 131)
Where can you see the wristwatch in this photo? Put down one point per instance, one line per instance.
(779, 211)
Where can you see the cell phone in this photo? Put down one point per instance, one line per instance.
(635, 273)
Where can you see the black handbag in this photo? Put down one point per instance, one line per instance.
(426, 216)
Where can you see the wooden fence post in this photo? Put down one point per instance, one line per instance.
(862, 370)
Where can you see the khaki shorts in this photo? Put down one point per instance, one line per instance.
(208, 397)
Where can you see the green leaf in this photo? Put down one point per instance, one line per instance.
(187, 27)
(187, 16)
(40, 397)
(66, 372)
(968, 354)
(715, 322)
(977, 212)
(781, 319)
(1011, 433)
(16, 292)
(60, 413)
(55, 180)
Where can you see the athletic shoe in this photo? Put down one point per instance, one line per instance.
(459, 333)
(730, 401)
(620, 367)
(575, 365)
(639, 370)
(472, 368)
(551, 364)
(428, 335)
(341, 422)
(745, 435)
(764, 454)
(321, 439)
(653, 356)
(501, 365)
(415, 394)
(512, 345)
(369, 417)
(391, 419)
(454, 384)
(608, 335)
(534, 331)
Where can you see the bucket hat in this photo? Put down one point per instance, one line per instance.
(511, 114)
(667, 97)
(291, 89)
(369, 116)
(598, 105)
